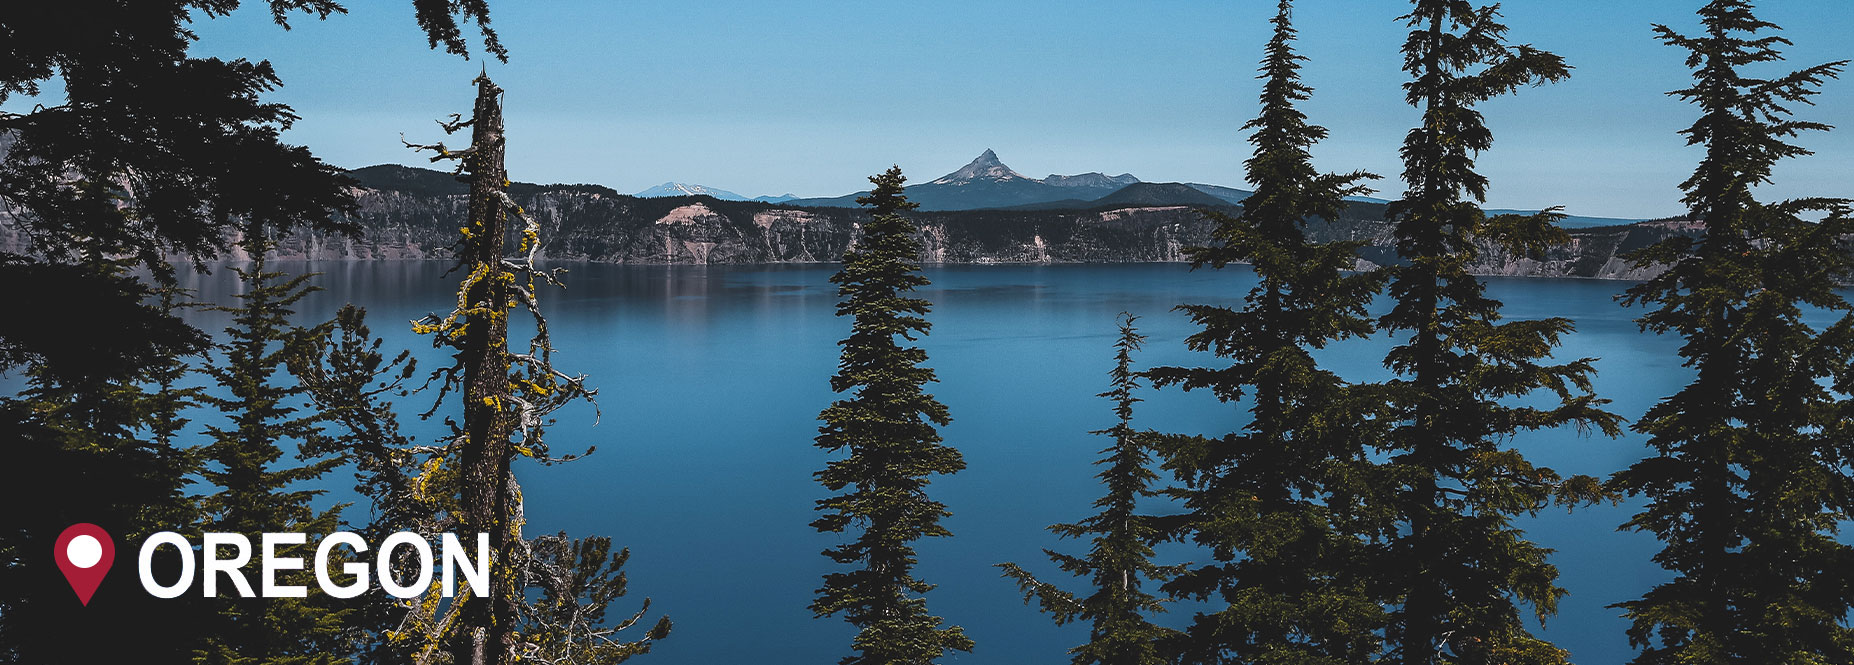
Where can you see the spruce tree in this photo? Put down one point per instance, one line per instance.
(1119, 562)
(1456, 567)
(1272, 503)
(1747, 480)
(887, 427)
(252, 493)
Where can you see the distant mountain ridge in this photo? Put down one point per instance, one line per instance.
(986, 182)
(1092, 179)
(686, 189)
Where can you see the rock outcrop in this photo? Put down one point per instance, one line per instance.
(412, 214)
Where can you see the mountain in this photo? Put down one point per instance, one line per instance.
(986, 167)
(1142, 194)
(782, 198)
(1159, 194)
(987, 183)
(416, 181)
(685, 189)
(1228, 194)
(1091, 180)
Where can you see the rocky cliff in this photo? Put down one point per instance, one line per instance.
(407, 213)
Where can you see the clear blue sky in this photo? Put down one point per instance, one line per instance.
(810, 97)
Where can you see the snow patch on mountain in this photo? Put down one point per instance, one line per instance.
(986, 167)
(686, 189)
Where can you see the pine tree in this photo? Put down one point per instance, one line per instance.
(139, 151)
(1120, 559)
(1747, 481)
(1272, 502)
(887, 427)
(350, 381)
(576, 580)
(97, 446)
(1456, 563)
(252, 493)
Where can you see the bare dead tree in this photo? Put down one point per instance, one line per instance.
(508, 398)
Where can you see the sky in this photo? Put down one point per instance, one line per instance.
(811, 96)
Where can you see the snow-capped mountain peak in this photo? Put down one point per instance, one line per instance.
(686, 189)
(986, 167)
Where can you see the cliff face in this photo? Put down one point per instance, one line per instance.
(583, 224)
(415, 214)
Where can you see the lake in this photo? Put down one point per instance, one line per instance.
(710, 380)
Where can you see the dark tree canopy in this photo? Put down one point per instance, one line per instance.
(253, 489)
(1272, 503)
(1457, 566)
(1748, 482)
(119, 151)
(887, 425)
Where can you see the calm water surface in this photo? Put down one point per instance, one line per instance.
(710, 380)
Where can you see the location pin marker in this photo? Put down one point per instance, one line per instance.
(84, 552)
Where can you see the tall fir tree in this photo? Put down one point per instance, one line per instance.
(1457, 568)
(251, 492)
(887, 425)
(1748, 481)
(1119, 562)
(1274, 503)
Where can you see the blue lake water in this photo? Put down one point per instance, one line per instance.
(711, 379)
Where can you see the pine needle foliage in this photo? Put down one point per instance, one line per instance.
(1119, 563)
(1272, 502)
(565, 623)
(351, 381)
(1466, 381)
(1748, 480)
(69, 433)
(887, 426)
(255, 494)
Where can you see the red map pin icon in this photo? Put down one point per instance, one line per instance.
(84, 552)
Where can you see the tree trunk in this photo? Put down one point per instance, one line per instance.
(483, 637)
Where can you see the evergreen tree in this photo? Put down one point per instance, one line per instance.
(565, 623)
(119, 143)
(254, 493)
(1120, 560)
(1273, 503)
(1748, 479)
(96, 445)
(887, 427)
(350, 381)
(1456, 564)
(136, 149)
